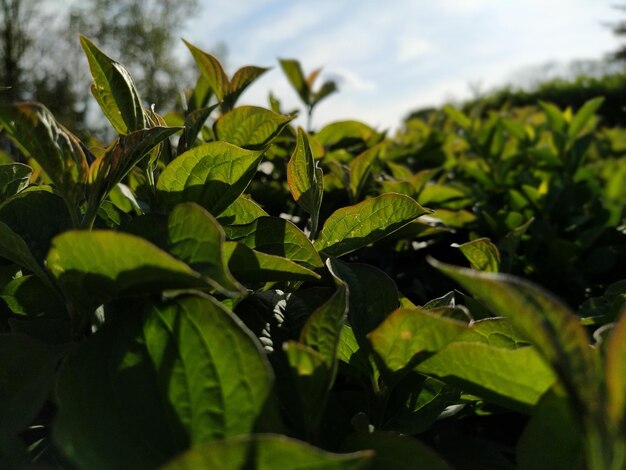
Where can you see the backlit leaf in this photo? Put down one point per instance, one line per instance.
(482, 254)
(240, 80)
(354, 227)
(294, 74)
(250, 126)
(211, 70)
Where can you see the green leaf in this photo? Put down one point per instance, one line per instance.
(34, 129)
(94, 267)
(408, 336)
(360, 169)
(213, 175)
(27, 373)
(393, 451)
(196, 238)
(305, 179)
(583, 115)
(554, 116)
(563, 449)
(250, 126)
(354, 227)
(276, 236)
(546, 322)
(514, 378)
(211, 70)
(482, 254)
(457, 116)
(171, 375)
(293, 72)
(329, 87)
(373, 295)
(193, 124)
(241, 79)
(340, 132)
(616, 374)
(243, 211)
(114, 90)
(266, 452)
(14, 177)
(248, 265)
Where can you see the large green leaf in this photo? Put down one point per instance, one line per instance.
(249, 265)
(27, 373)
(305, 179)
(266, 452)
(33, 127)
(171, 375)
(213, 175)
(211, 70)
(294, 74)
(250, 126)
(408, 336)
(344, 131)
(276, 236)
(395, 452)
(354, 227)
(515, 378)
(94, 267)
(14, 177)
(196, 238)
(546, 322)
(114, 90)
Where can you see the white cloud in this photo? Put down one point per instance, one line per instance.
(411, 48)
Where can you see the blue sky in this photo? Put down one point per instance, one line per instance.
(398, 55)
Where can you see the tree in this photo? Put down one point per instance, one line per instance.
(619, 29)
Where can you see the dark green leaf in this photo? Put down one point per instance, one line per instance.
(193, 123)
(213, 175)
(241, 79)
(114, 90)
(30, 296)
(294, 74)
(14, 177)
(360, 169)
(354, 227)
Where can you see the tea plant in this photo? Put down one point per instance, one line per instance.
(219, 289)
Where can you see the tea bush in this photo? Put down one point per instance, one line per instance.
(219, 289)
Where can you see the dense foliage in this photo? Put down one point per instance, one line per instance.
(220, 289)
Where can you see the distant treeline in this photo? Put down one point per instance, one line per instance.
(562, 92)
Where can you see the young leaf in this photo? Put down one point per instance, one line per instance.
(250, 126)
(582, 116)
(114, 90)
(276, 236)
(329, 87)
(305, 179)
(211, 70)
(213, 175)
(14, 177)
(546, 322)
(265, 452)
(409, 335)
(354, 227)
(239, 82)
(293, 71)
(173, 374)
(482, 254)
(360, 169)
(94, 267)
(196, 238)
(248, 265)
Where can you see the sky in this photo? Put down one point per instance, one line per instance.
(392, 57)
